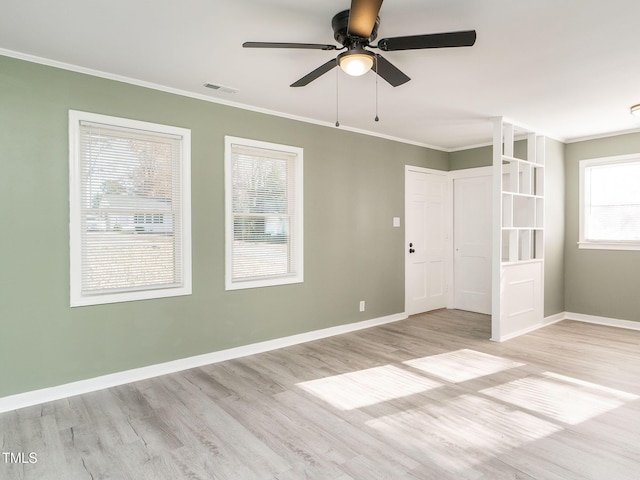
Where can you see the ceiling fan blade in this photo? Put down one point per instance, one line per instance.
(464, 38)
(321, 70)
(362, 17)
(308, 46)
(389, 72)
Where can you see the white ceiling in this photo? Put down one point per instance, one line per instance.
(568, 68)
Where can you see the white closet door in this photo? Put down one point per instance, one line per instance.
(472, 243)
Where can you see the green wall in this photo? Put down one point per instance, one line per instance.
(598, 282)
(471, 158)
(354, 185)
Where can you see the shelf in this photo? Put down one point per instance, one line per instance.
(522, 228)
(521, 262)
(523, 178)
(524, 195)
(522, 244)
(522, 210)
(507, 159)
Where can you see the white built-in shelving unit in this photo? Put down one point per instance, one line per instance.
(518, 221)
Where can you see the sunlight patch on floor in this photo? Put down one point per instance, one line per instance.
(562, 398)
(464, 431)
(462, 365)
(368, 387)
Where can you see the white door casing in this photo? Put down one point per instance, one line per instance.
(472, 237)
(425, 239)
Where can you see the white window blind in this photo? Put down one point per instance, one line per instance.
(610, 202)
(129, 209)
(264, 214)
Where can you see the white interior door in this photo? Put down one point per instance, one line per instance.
(425, 240)
(472, 216)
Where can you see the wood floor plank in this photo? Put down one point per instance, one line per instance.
(425, 398)
(227, 440)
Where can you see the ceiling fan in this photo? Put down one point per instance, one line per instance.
(355, 29)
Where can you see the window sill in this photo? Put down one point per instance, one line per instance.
(266, 282)
(609, 245)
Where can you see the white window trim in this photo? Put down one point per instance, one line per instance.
(583, 242)
(275, 280)
(77, 299)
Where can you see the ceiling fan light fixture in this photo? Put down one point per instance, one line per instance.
(356, 64)
(635, 110)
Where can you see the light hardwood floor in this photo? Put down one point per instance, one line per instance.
(425, 398)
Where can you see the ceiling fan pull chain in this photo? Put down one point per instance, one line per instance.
(337, 110)
(376, 74)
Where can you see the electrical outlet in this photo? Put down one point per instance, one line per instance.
(362, 305)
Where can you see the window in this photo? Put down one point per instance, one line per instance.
(130, 208)
(610, 203)
(263, 203)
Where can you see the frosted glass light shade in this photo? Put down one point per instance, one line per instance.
(356, 64)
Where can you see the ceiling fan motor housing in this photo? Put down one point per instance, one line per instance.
(340, 25)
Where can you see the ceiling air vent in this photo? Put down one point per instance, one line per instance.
(220, 88)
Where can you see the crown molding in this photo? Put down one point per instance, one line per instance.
(185, 93)
(602, 135)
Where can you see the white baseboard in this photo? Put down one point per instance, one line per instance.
(609, 322)
(545, 323)
(578, 317)
(21, 400)
(27, 399)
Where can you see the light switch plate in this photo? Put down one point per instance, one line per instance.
(396, 221)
